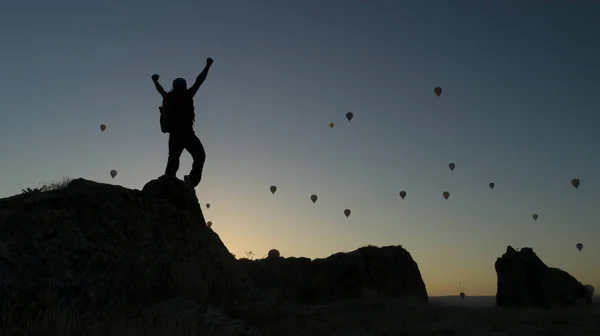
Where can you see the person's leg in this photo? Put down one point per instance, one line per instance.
(176, 146)
(196, 150)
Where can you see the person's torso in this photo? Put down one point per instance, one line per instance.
(180, 107)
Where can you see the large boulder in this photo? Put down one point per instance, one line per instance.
(369, 272)
(525, 281)
(176, 196)
(93, 244)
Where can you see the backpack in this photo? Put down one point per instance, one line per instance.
(164, 125)
(176, 112)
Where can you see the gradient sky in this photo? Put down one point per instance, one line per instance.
(519, 107)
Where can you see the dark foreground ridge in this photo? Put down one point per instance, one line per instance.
(95, 245)
(525, 281)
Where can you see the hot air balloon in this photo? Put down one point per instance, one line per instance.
(208, 205)
(438, 91)
(403, 194)
(349, 116)
(209, 224)
(579, 246)
(575, 183)
(313, 198)
(347, 212)
(273, 189)
(446, 194)
(331, 125)
(492, 185)
(535, 216)
(452, 166)
(113, 173)
(273, 254)
(102, 127)
(461, 291)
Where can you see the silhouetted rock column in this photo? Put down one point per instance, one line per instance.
(525, 281)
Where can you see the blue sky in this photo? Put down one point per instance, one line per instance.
(519, 108)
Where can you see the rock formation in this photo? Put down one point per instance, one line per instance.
(95, 245)
(525, 281)
(92, 244)
(369, 272)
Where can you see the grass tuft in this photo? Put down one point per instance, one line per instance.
(52, 186)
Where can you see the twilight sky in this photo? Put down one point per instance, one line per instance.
(519, 108)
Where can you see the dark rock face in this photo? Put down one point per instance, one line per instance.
(369, 272)
(525, 281)
(92, 244)
(176, 195)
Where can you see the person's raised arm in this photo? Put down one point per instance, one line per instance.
(158, 87)
(201, 77)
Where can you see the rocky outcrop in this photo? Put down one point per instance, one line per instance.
(150, 252)
(525, 281)
(369, 272)
(590, 290)
(92, 244)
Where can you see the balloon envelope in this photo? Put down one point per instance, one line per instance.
(535, 216)
(492, 185)
(349, 116)
(579, 246)
(451, 166)
(313, 198)
(403, 194)
(331, 125)
(446, 194)
(208, 205)
(273, 189)
(102, 127)
(347, 212)
(209, 224)
(575, 183)
(438, 91)
(113, 173)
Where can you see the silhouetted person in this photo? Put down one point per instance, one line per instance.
(178, 108)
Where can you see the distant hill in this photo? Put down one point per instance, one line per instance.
(476, 301)
(468, 301)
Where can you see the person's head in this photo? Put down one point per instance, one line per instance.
(179, 84)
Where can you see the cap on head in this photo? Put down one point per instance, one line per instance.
(179, 84)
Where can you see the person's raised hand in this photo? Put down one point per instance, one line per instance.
(209, 61)
(155, 77)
